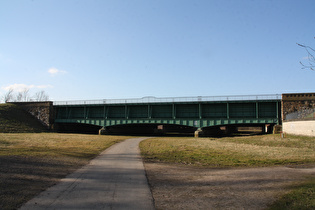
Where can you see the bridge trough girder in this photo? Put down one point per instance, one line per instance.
(197, 115)
(188, 110)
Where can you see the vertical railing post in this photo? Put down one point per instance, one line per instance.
(227, 110)
(257, 110)
(126, 111)
(277, 110)
(173, 111)
(149, 111)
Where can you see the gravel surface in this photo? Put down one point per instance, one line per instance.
(187, 187)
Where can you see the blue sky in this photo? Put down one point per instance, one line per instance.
(107, 49)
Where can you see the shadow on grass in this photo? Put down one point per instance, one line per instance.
(301, 196)
(21, 178)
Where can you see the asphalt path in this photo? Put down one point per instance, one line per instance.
(114, 180)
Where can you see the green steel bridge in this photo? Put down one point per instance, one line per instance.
(187, 113)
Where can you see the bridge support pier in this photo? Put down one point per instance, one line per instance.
(208, 131)
(159, 130)
(198, 132)
(268, 128)
(102, 131)
(230, 129)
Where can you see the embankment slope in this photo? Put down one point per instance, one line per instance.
(13, 119)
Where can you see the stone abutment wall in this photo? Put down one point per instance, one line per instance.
(43, 111)
(298, 106)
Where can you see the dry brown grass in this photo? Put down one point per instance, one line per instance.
(31, 162)
(236, 151)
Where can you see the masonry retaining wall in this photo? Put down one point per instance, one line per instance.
(43, 111)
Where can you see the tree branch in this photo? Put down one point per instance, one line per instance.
(310, 56)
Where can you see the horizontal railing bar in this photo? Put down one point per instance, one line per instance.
(151, 99)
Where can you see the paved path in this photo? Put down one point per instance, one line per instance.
(114, 180)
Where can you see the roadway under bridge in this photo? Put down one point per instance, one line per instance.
(210, 115)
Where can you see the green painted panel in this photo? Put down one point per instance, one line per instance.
(242, 110)
(171, 121)
(267, 109)
(62, 113)
(138, 111)
(96, 112)
(187, 111)
(214, 110)
(116, 112)
(204, 123)
(162, 111)
(194, 123)
(76, 112)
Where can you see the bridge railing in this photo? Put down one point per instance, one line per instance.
(152, 99)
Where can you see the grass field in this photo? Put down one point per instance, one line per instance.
(31, 162)
(261, 150)
(301, 197)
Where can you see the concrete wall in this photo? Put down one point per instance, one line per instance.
(298, 113)
(305, 128)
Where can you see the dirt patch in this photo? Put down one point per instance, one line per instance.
(186, 187)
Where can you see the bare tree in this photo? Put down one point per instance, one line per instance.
(310, 56)
(41, 96)
(8, 97)
(19, 97)
(22, 96)
(25, 94)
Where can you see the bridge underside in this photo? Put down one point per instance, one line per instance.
(164, 129)
(188, 116)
